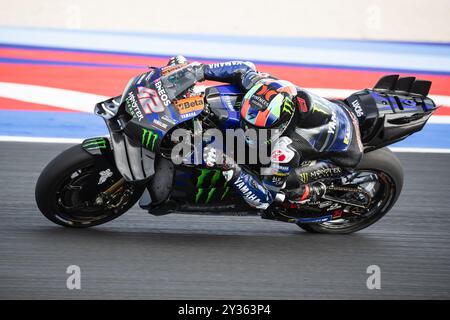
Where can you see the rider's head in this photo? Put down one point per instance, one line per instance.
(269, 104)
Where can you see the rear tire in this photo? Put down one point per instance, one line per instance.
(57, 177)
(386, 163)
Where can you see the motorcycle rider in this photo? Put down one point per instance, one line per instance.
(307, 125)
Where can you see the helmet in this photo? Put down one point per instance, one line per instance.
(269, 104)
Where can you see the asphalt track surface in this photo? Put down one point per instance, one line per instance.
(196, 257)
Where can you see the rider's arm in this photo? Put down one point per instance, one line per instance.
(230, 72)
(182, 77)
(242, 73)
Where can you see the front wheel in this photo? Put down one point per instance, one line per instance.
(388, 169)
(79, 190)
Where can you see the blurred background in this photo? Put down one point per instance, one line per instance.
(59, 57)
(404, 20)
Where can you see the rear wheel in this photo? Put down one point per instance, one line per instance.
(385, 192)
(77, 189)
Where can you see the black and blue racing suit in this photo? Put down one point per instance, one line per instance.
(324, 130)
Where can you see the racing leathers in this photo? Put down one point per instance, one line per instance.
(323, 130)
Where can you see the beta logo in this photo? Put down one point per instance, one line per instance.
(189, 105)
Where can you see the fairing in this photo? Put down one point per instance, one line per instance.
(150, 99)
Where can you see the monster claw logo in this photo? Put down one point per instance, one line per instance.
(288, 106)
(210, 189)
(303, 177)
(149, 138)
(317, 108)
(95, 143)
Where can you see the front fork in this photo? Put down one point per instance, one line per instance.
(101, 147)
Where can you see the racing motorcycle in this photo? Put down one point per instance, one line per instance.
(100, 179)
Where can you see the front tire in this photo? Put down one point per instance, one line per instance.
(69, 188)
(387, 166)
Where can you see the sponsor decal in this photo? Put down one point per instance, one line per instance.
(302, 105)
(214, 178)
(149, 138)
(288, 106)
(278, 156)
(333, 123)
(307, 163)
(305, 177)
(188, 115)
(277, 181)
(189, 105)
(318, 219)
(95, 143)
(226, 64)
(159, 124)
(278, 170)
(358, 109)
(104, 175)
(227, 101)
(162, 92)
(168, 120)
(259, 102)
(149, 100)
(281, 153)
(246, 192)
(133, 107)
(318, 108)
(169, 69)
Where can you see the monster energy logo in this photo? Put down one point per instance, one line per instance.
(288, 106)
(149, 138)
(210, 191)
(95, 143)
(317, 108)
(304, 177)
